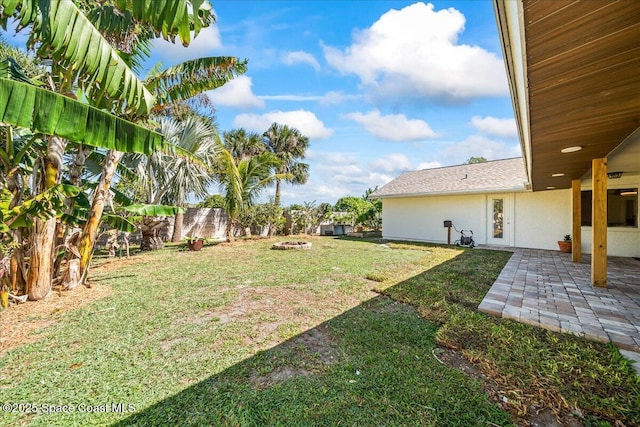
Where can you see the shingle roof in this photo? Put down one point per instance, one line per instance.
(493, 176)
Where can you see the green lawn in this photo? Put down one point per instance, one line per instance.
(244, 335)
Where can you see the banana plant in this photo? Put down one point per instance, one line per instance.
(86, 42)
(44, 205)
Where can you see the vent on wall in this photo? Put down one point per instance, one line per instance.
(614, 175)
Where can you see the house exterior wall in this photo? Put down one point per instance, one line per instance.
(422, 218)
(621, 241)
(542, 218)
(538, 221)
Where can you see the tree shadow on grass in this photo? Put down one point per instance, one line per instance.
(371, 365)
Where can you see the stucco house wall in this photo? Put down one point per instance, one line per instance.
(542, 218)
(415, 204)
(422, 218)
(538, 221)
(621, 241)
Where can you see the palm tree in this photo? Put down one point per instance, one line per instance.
(170, 179)
(169, 86)
(243, 145)
(289, 146)
(242, 181)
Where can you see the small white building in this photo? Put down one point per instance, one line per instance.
(494, 200)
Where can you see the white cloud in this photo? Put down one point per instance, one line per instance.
(236, 93)
(204, 44)
(301, 57)
(328, 98)
(413, 53)
(479, 146)
(429, 165)
(305, 121)
(294, 98)
(331, 157)
(497, 127)
(395, 162)
(334, 97)
(392, 127)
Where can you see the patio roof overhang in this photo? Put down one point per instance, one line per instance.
(574, 74)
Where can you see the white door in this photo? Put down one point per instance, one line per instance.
(499, 214)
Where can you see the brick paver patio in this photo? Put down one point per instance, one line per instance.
(546, 289)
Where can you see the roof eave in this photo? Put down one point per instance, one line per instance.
(517, 189)
(509, 18)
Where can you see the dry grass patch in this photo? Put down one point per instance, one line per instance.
(26, 323)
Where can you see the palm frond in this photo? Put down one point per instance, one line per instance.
(190, 78)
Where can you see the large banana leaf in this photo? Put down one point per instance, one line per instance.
(120, 223)
(67, 36)
(154, 210)
(192, 77)
(50, 113)
(171, 17)
(10, 69)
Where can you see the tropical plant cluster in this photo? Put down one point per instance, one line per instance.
(87, 144)
(357, 211)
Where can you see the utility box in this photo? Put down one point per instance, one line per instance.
(326, 230)
(335, 229)
(448, 223)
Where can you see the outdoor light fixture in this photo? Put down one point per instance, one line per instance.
(614, 175)
(571, 149)
(555, 175)
(551, 188)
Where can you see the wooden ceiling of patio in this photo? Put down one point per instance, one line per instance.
(583, 62)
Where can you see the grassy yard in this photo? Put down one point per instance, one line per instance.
(244, 335)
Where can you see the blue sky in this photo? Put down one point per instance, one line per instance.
(379, 87)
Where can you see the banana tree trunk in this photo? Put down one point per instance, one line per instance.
(178, 225)
(41, 260)
(100, 197)
(75, 175)
(16, 266)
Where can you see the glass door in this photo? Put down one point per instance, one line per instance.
(499, 219)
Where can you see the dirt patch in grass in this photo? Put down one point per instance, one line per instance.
(275, 314)
(315, 344)
(111, 264)
(22, 324)
(286, 316)
(384, 304)
(275, 376)
(168, 344)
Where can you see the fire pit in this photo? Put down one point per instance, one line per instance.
(283, 246)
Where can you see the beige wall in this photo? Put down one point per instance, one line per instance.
(542, 218)
(539, 219)
(422, 218)
(621, 241)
